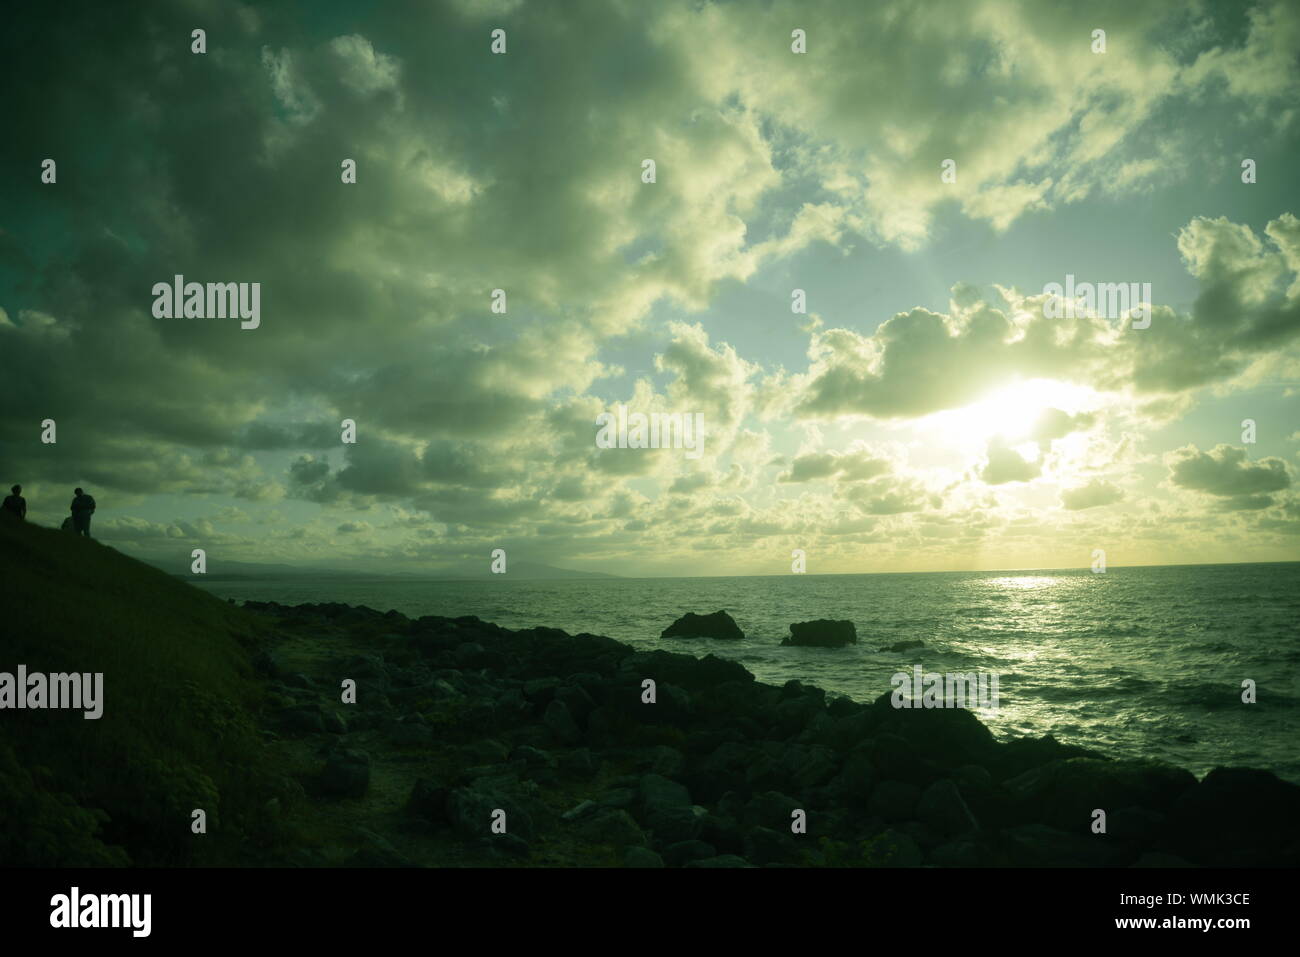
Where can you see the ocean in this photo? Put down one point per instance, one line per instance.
(1138, 662)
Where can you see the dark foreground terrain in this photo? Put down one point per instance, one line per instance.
(457, 724)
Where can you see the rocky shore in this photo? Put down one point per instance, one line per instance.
(472, 744)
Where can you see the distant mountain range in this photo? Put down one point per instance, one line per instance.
(516, 570)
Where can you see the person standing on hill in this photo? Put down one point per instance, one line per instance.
(15, 504)
(83, 506)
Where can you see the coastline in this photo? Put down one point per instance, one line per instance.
(457, 719)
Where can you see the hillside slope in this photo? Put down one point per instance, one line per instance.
(177, 730)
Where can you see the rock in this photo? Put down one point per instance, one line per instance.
(534, 757)
(376, 851)
(471, 811)
(681, 853)
(334, 723)
(642, 857)
(577, 700)
(368, 671)
(667, 761)
(941, 807)
(1237, 817)
(925, 836)
(1138, 826)
(894, 800)
(468, 654)
(893, 849)
(510, 845)
(541, 690)
(903, 646)
(579, 762)
(922, 743)
(723, 860)
(658, 791)
(1064, 793)
(561, 724)
(723, 831)
(611, 826)
(428, 800)
(822, 633)
(816, 767)
(956, 854)
(484, 751)
(717, 625)
(671, 825)
(346, 773)
(856, 779)
(766, 846)
(410, 734)
(580, 810)
(618, 797)
(771, 809)
(304, 718)
(1037, 845)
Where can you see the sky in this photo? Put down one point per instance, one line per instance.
(922, 173)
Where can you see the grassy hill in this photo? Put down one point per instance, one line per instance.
(177, 731)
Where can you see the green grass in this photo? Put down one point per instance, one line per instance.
(177, 731)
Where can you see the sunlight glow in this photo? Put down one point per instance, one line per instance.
(1012, 412)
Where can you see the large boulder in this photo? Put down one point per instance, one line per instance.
(717, 625)
(346, 773)
(1238, 817)
(822, 633)
(1064, 794)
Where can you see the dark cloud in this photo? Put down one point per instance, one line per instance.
(1226, 472)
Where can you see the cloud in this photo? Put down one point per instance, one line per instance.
(1226, 473)
(1008, 465)
(1096, 493)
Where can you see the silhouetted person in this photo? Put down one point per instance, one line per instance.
(15, 504)
(83, 506)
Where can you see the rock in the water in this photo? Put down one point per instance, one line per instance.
(822, 633)
(904, 645)
(717, 625)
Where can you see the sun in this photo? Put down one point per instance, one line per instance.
(1010, 413)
